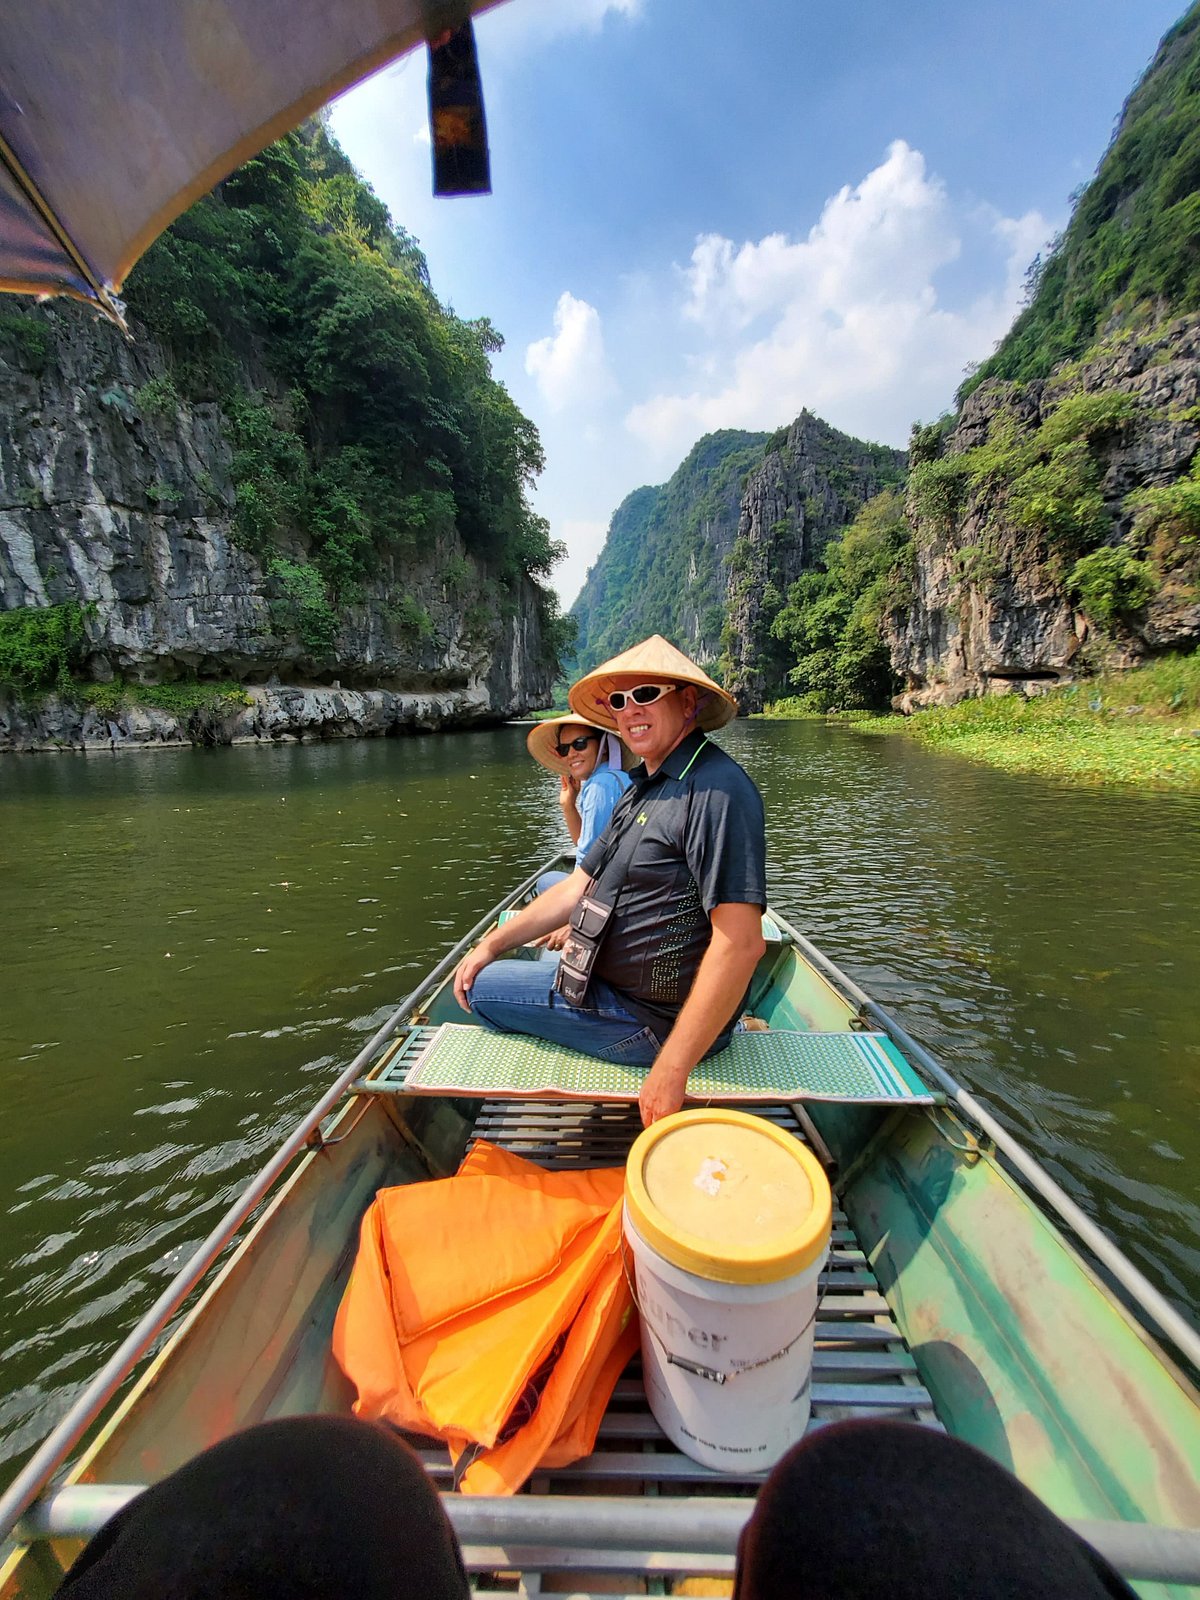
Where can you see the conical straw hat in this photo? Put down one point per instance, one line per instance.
(652, 661)
(544, 736)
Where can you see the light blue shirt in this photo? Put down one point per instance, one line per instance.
(597, 797)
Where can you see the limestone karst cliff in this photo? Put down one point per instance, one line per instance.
(706, 559)
(662, 569)
(812, 482)
(1040, 484)
(300, 475)
(129, 511)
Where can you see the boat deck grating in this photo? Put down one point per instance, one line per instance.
(861, 1368)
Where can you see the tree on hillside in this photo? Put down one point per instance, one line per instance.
(831, 622)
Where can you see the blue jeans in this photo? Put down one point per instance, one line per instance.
(548, 880)
(518, 997)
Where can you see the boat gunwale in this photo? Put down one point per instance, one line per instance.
(1029, 1171)
(85, 1410)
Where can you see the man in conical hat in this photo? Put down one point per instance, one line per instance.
(667, 978)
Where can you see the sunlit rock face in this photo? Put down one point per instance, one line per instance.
(130, 512)
(992, 611)
(812, 483)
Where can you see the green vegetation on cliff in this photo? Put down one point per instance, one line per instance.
(832, 622)
(40, 647)
(377, 431)
(1043, 484)
(661, 568)
(1132, 246)
(813, 482)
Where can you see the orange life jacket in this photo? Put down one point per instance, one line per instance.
(491, 1310)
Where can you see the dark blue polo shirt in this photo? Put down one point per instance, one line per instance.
(703, 845)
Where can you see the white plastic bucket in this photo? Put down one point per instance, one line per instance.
(727, 1365)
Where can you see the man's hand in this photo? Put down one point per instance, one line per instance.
(720, 982)
(662, 1092)
(540, 916)
(469, 968)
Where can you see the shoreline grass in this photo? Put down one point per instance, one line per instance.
(1140, 727)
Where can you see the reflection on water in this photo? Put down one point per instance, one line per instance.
(194, 942)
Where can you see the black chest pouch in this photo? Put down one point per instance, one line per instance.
(589, 924)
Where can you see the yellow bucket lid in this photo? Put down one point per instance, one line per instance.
(728, 1196)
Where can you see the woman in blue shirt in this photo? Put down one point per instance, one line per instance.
(588, 761)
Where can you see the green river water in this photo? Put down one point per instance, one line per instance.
(193, 943)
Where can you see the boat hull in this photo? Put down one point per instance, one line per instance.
(1019, 1346)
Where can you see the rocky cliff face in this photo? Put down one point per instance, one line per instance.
(706, 558)
(662, 569)
(812, 482)
(992, 607)
(112, 500)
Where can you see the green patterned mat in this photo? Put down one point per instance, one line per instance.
(465, 1060)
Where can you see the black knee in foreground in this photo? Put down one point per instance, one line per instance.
(893, 1511)
(306, 1508)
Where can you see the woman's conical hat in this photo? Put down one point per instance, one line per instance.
(544, 736)
(652, 661)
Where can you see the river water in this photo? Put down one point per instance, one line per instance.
(193, 943)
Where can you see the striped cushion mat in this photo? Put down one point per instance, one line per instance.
(461, 1059)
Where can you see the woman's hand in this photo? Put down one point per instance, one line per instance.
(568, 791)
(553, 941)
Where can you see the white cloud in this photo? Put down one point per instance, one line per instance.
(508, 27)
(1025, 238)
(570, 366)
(846, 321)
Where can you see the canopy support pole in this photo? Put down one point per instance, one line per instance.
(104, 297)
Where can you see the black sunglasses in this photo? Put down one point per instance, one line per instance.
(584, 739)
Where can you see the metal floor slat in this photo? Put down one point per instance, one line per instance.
(861, 1367)
(527, 1558)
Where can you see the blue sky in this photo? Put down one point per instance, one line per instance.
(712, 214)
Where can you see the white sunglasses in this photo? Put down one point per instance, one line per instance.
(644, 695)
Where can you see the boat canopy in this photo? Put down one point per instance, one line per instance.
(116, 115)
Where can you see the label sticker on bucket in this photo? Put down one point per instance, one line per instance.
(709, 1177)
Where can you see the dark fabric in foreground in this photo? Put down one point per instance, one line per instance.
(892, 1511)
(306, 1508)
(316, 1507)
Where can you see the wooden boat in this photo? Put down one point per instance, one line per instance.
(951, 1299)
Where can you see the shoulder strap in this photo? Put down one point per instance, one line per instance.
(618, 854)
(620, 851)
